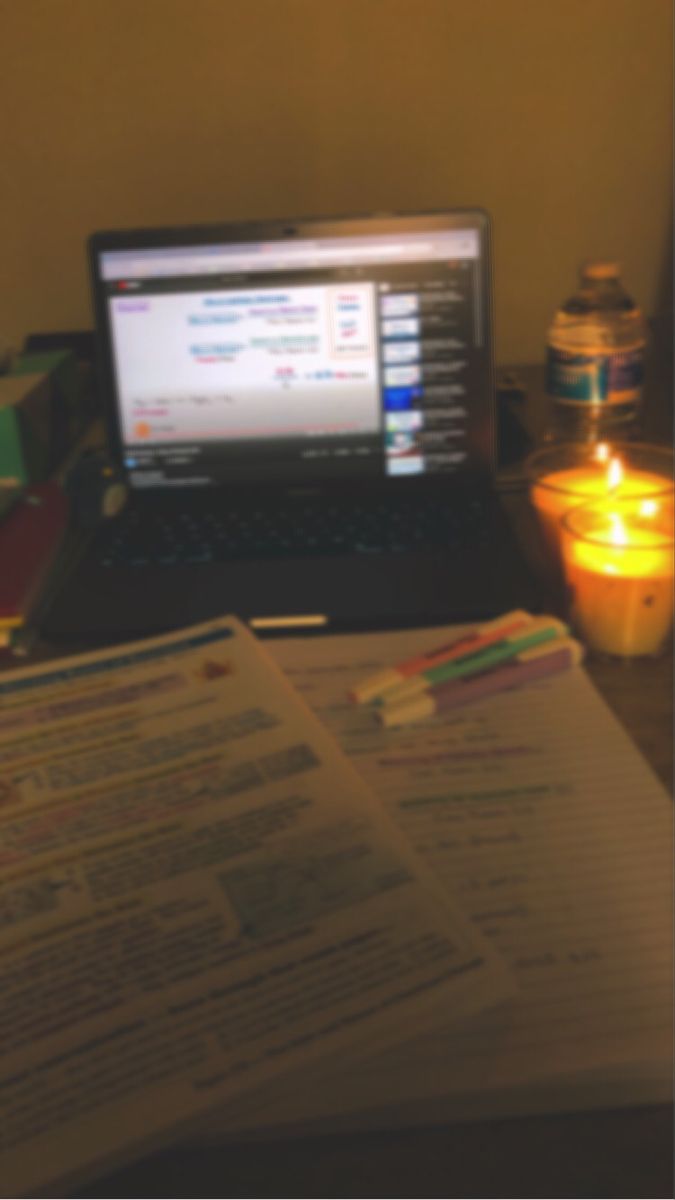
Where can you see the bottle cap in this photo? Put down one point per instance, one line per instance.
(601, 269)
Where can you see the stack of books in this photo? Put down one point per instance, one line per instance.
(32, 526)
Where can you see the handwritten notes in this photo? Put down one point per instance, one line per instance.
(543, 820)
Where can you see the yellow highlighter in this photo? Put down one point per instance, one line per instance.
(537, 631)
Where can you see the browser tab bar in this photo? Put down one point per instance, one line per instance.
(289, 255)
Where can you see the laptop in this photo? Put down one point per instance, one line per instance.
(304, 414)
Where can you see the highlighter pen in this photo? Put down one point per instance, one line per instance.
(539, 629)
(532, 664)
(468, 643)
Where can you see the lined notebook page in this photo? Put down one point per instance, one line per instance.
(549, 827)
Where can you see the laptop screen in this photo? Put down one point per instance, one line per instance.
(349, 350)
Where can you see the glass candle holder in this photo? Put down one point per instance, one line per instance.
(563, 476)
(618, 561)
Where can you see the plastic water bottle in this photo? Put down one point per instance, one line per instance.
(595, 360)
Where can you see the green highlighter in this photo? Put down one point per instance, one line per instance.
(541, 629)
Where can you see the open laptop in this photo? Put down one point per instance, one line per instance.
(305, 415)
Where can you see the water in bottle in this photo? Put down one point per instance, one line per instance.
(595, 360)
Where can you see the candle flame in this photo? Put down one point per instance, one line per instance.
(618, 532)
(614, 474)
(601, 452)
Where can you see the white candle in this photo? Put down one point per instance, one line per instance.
(603, 473)
(618, 558)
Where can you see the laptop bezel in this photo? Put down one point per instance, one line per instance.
(481, 477)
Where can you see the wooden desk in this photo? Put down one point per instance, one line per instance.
(606, 1153)
(599, 1153)
(613, 1153)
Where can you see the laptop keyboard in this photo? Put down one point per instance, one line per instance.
(142, 538)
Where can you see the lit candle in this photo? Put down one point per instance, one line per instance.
(618, 556)
(601, 472)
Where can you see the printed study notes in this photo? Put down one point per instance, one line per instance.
(198, 893)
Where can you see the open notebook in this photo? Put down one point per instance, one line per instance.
(552, 831)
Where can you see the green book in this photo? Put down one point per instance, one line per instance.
(25, 429)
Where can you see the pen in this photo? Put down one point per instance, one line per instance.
(536, 663)
(538, 630)
(482, 635)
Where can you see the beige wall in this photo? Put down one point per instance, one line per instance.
(556, 116)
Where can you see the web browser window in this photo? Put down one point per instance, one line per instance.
(344, 356)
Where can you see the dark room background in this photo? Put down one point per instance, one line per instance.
(554, 117)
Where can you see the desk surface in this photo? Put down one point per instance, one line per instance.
(613, 1154)
(602, 1153)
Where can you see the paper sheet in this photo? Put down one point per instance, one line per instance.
(197, 893)
(544, 821)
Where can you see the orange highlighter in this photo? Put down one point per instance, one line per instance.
(483, 635)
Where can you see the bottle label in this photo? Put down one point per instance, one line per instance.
(594, 378)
